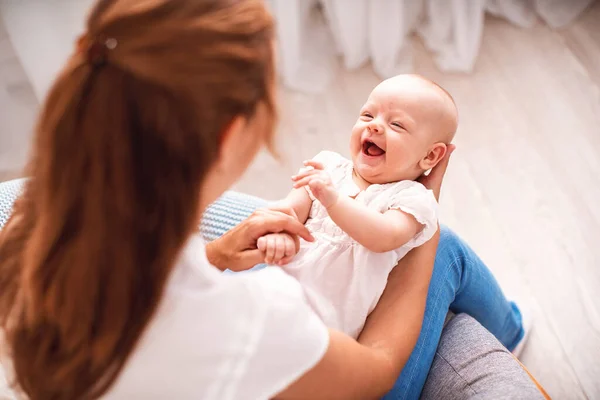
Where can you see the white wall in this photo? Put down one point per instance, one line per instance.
(43, 33)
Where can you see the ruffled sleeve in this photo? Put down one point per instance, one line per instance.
(413, 198)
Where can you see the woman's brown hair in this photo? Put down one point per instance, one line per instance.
(122, 146)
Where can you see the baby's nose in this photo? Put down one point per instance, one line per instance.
(375, 128)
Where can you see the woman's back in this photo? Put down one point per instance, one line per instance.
(123, 147)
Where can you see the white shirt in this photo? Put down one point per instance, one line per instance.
(215, 336)
(342, 279)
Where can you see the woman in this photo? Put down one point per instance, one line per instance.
(105, 289)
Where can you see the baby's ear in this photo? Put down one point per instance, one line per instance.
(434, 155)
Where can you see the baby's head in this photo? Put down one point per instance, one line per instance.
(403, 129)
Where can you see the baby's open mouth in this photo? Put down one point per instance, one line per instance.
(371, 149)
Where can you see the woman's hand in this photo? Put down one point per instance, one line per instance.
(319, 182)
(237, 249)
(433, 181)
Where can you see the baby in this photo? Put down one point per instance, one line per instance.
(368, 212)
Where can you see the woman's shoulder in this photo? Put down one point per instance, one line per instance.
(272, 283)
(215, 332)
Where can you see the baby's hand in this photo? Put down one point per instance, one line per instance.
(279, 248)
(319, 182)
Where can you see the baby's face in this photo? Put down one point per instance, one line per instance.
(398, 125)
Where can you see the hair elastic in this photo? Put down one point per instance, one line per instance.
(96, 49)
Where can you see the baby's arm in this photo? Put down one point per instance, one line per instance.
(376, 231)
(297, 200)
(279, 248)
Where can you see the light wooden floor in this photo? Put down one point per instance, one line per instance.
(522, 189)
(524, 183)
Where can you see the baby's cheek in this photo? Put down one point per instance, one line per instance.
(397, 154)
(355, 140)
(358, 128)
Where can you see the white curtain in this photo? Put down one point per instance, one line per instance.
(43, 33)
(312, 33)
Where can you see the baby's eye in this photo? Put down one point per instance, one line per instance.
(367, 115)
(397, 125)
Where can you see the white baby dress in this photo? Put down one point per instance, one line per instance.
(343, 281)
